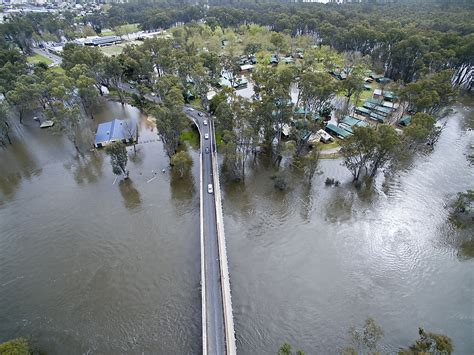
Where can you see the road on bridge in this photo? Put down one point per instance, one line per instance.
(215, 329)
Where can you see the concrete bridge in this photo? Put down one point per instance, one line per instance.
(218, 335)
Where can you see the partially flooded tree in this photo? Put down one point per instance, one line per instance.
(311, 162)
(365, 339)
(286, 350)
(368, 150)
(182, 162)
(118, 158)
(170, 120)
(68, 120)
(430, 343)
(4, 126)
(422, 130)
(357, 150)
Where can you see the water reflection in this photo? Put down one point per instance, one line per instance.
(182, 191)
(131, 196)
(86, 168)
(17, 163)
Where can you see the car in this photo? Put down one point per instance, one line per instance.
(210, 189)
(206, 150)
(206, 136)
(190, 109)
(200, 114)
(204, 122)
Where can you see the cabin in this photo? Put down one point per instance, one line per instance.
(246, 67)
(349, 122)
(325, 137)
(337, 131)
(405, 121)
(116, 131)
(385, 95)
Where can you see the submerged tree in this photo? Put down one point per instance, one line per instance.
(422, 130)
(368, 150)
(365, 339)
(311, 162)
(430, 343)
(4, 126)
(18, 346)
(118, 158)
(286, 350)
(182, 162)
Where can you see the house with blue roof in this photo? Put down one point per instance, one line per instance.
(116, 131)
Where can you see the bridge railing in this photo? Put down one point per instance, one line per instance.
(224, 268)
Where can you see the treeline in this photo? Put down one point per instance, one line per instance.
(406, 41)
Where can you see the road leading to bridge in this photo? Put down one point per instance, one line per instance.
(218, 337)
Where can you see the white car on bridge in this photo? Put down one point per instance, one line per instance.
(210, 188)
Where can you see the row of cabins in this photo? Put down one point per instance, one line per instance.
(346, 127)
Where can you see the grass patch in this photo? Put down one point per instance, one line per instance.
(326, 146)
(330, 156)
(128, 28)
(218, 138)
(107, 33)
(37, 58)
(58, 70)
(112, 50)
(190, 136)
(196, 103)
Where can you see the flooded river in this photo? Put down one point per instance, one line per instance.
(90, 265)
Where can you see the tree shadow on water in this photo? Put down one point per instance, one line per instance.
(87, 168)
(182, 190)
(131, 196)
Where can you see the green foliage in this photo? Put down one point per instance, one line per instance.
(421, 129)
(369, 149)
(310, 163)
(462, 209)
(368, 336)
(18, 346)
(286, 350)
(182, 162)
(431, 93)
(4, 126)
(430, 343)
(118, 158)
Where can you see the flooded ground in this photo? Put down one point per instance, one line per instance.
(309, 264)
(93, 265)
(89, 266)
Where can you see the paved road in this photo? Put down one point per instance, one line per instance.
(214, 307)
(57, 60)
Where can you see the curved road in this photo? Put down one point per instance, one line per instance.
(215, 329)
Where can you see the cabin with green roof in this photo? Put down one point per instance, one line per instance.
(337, 131)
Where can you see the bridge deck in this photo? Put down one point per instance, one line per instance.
(218, 327)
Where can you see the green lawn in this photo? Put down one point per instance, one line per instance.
(326, 146)
(110, 51)
(190, 136)
(34, 59)
(58, 70)
(128, 28)
(121, 30)
(107, 33)
(116, 49)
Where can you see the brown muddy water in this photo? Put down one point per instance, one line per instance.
(90, 265)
